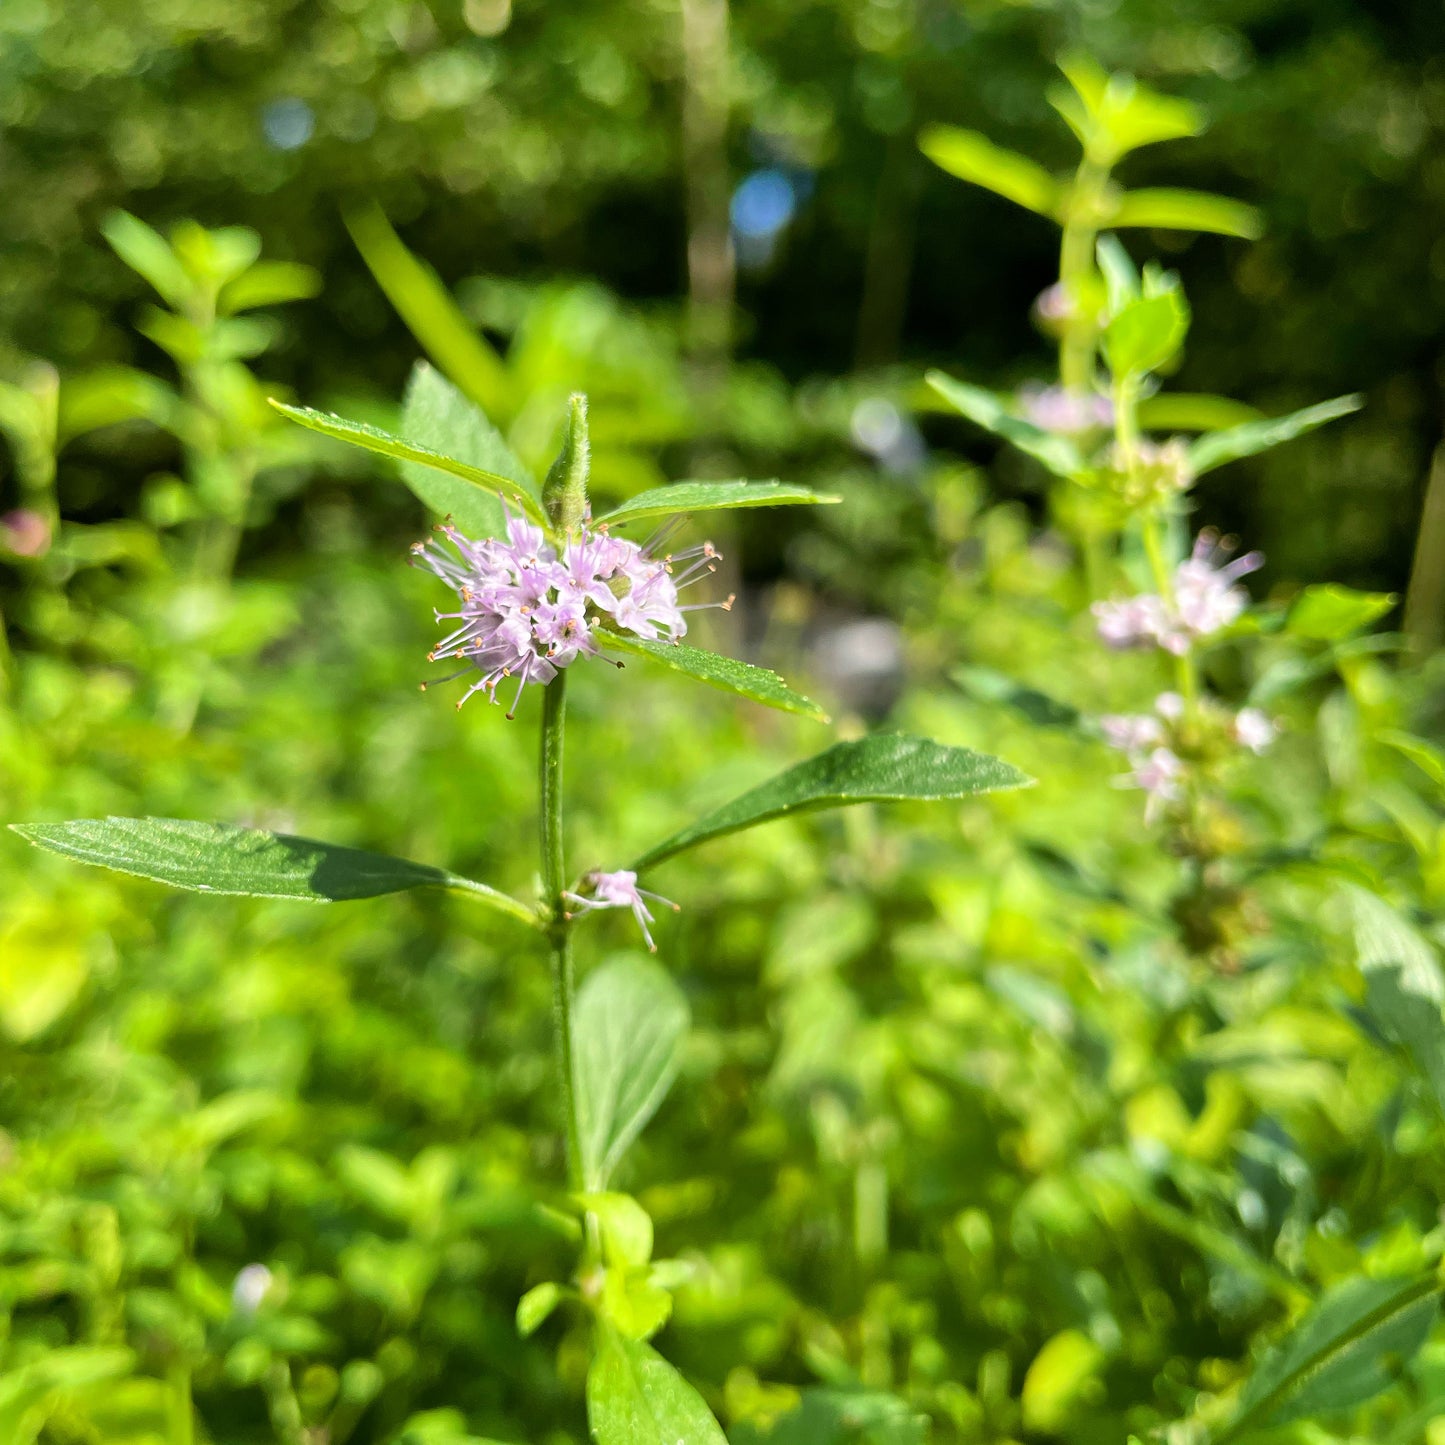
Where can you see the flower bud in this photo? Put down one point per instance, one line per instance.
(564, 493)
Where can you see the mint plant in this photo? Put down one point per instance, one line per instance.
(541, 584)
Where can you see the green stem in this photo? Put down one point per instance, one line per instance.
(559, 931)
(180, 1424)
(1076, 265)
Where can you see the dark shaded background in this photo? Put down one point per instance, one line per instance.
(541, 140)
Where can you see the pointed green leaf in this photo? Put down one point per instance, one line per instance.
(885, 768)
(973, 157)
(1330, 612)
(1217, 448)
(708, 497)
(219, 858)
(727, 673)
(435, 415)
(269, 283)
(634, 1397)
(373, 439)
(1349, 1347)
(429, 311)
(534, 1306)
(1177, 210)
(1193, 411)
(1147, 333)
(628, 1028)
(1057, 453)
(148, 254)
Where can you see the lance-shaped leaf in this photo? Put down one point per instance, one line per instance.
(373, 439)
(1057, 453)
(1176, 210)
(709, 497)
(1349, 1347)
(220, 858)
(885, 768)
(429, 311)
(727, 673)
(437, 416)
(628, 1028)
(634, 1397)
(1193, 411)
(973, 157)
(1217, 448)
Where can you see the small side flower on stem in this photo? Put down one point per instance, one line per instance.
(619, 890)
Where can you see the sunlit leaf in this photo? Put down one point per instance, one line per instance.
(628, 1028)
(885, 768)
(1217, 448)
(435, 415)
(219, 858)
(429, 311)
(270, 283)
(973, 157)
(373, 439)
(726, 673)
(1057, 453)
(1147, 334)
(1329, 612)
(708, 497)
(1193, 411)
(148, 253)
(1350, 1346)
(1177, 210)
(634, 1397)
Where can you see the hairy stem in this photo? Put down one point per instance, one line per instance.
(559, 931)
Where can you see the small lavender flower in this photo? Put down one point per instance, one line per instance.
(619, 890)
(1206, 598)
(526, 612)
(1254, 729)
(1170, 706)
(252, 1285)
(1205, 595)
(24, 533)
(1054, 304)
(1159, 774)
(1131, 732)
(1130, 621)
(1057, 409)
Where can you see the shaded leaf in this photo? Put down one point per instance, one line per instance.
(1349, 1347)
(986, 684)
(973, 157)
(709, 497)
(628, 1028)
(435, 415)
(841, 1417)
(429, 311)
(1412, 1022)
(1229, 445)
(1179, 210)
(1057, 453)
(270, 283)
(634, 1397)
(727, 673)
(374, 439)
(885, 768)
(219, 858)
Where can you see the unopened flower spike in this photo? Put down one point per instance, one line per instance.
(620, 890)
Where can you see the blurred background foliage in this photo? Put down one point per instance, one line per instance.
(987, 1126)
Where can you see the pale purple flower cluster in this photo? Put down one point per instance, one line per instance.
(1205, 598)
(1155, 765)
(529, 609)
(1057, 409)
(619, 890)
